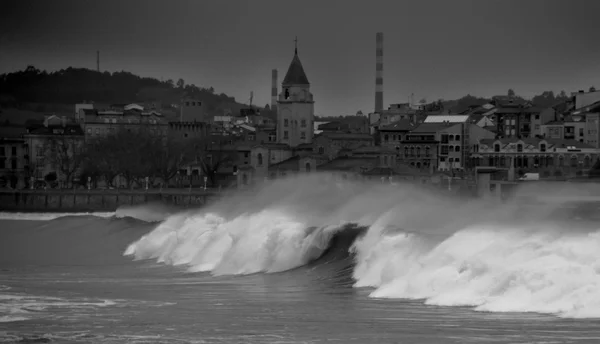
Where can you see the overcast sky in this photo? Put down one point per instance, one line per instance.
(432, 48)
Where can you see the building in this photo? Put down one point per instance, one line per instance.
(189, 131)
(332, 144)
(98, 123)
(14, 167)
(295, 107)
(392, 135)
(192, 109)
(442, 143)
(548, 157)
(582, 99)
(348, 124)
(55, 147)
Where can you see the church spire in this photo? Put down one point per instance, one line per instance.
(295, 74)
(296, 46)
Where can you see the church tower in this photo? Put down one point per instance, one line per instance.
(295, 110)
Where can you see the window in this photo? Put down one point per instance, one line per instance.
(187, 103)
(89, 131)
(496, 148)
(519, 148)
(457, 137)
(285, 135)
(405, 151)
(307, 166)
(14, 150)
(451, 149)
(302, 135)
(246, 154)
(386, 138)
(418, 152)
(286, 122)
(2, 164)
(14, 164)
(251, 137)
(2, 152)
(303, 123)
(457, 149)
(537, 116)
(97, 131)
(321, 150)
(260, 159)
(287, 93)
(427, 152)
(412, 151)
(542, 147)
(444, 138)
(580, 131)
(444, 150)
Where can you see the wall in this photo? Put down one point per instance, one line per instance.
(95, 200)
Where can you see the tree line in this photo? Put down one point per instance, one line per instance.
(133, 156)
(74, 85)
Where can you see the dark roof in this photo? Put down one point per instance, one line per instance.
(12, 131)
(508, 110)
(348, 164)
(290, 164)
(432, 127)
(346, 136)
(533, 109)
(295, 74)
(50, 130)
(400, 125)
(273, 145)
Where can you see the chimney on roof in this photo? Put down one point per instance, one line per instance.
(64, 121)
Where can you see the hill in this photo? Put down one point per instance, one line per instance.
(40, 91)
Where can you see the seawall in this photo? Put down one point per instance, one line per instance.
(99, 200)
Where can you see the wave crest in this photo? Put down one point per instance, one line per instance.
(419, 244)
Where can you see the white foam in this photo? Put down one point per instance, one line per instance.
(492, 268)
(48, 216)
(493, 257)
(20, 306)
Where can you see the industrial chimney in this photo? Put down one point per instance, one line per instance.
(379, 72)
(274, 90)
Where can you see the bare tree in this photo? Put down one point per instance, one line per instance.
(212, 154)
(66, 154)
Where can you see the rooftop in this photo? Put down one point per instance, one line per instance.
(295, 74)
(432, 127)
(400, 125)
(447, 118)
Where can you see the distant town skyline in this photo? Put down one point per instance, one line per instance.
(432, 49)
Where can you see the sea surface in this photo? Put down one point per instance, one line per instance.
(329, 263)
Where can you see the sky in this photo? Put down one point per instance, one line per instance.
(432, 48)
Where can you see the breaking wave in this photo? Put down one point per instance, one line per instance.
(407, 242)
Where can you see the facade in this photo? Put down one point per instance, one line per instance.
(189, 130)
(100, 123)
(592, 129)
(332, 144)
(295, 107)
(55, 147)
(191, 109)
(14, 161)
(549, 157)
(393, 134)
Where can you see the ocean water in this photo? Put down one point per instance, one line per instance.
(307, 260)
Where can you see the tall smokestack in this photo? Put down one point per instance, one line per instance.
(379, 72)
(274, 90)
(98, 61)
